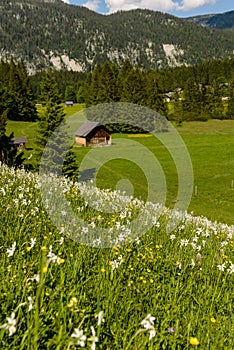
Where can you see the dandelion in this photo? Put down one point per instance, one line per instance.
(45, 269)
(194, 341)
(10, 325)
(213, 320)
(79, 336)
(11, 251)
(102, 270)
(72, 302)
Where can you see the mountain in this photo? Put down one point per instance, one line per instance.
(219, 21)
(50, 32)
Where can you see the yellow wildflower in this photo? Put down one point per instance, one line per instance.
(194, 341)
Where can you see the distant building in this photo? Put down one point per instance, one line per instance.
(18, 142)
(92, 134)
(69, 103)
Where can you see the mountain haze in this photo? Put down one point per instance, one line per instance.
(50, 32)
(219, 21)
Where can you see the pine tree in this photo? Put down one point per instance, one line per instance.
(53, 118)
(19, 101)
(155, 96)
(230, 109)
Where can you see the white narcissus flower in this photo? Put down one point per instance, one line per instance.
(148, 321)
(100, 318)
(221, 267)
(231, 269)
(30, 306)
(79, 336)
(10, 325)
(93, 339)
(11, 250)
(152, 333)
(33, 242)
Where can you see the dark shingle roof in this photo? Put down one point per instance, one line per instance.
(18, 140)
(86, 128)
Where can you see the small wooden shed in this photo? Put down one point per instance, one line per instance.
(18, 142)
(93, 134)
(69, 103)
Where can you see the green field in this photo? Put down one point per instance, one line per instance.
(211, 147)
(121, 289)
(129, 279)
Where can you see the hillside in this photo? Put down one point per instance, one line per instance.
(73, 37)
(219, 21)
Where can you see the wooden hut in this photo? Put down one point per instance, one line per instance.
(92, 134)
(18, 142)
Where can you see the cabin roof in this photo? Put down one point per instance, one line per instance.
(86, 128)
(18, 140)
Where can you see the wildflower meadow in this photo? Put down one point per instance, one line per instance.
(160, 290)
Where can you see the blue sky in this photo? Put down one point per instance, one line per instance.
(179, 8)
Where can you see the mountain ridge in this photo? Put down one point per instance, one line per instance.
(51, 33)
(219, 21)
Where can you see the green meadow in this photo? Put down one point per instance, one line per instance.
(211, 148)
(95, 282)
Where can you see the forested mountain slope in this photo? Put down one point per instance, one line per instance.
(66, 36)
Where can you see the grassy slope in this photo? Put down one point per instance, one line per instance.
(211, 146)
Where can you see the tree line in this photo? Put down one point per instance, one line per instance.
(199, 92)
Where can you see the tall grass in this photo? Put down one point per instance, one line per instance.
(57, 293)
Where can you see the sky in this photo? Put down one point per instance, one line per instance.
(179, 8)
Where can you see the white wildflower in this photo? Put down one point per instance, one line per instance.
(100, 318)
(184, 242)
(152, 333)
(93, 339)
(11, 251)
(33, 242)
(30, 306)
(79, 336)
(10, 325)
(231, 269)
(221, 267)
(148, 321)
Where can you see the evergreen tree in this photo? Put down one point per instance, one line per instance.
(19, 101)
(134, 87)
(70, 93)
(53, 118)
(155, 96)
(230, 109)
